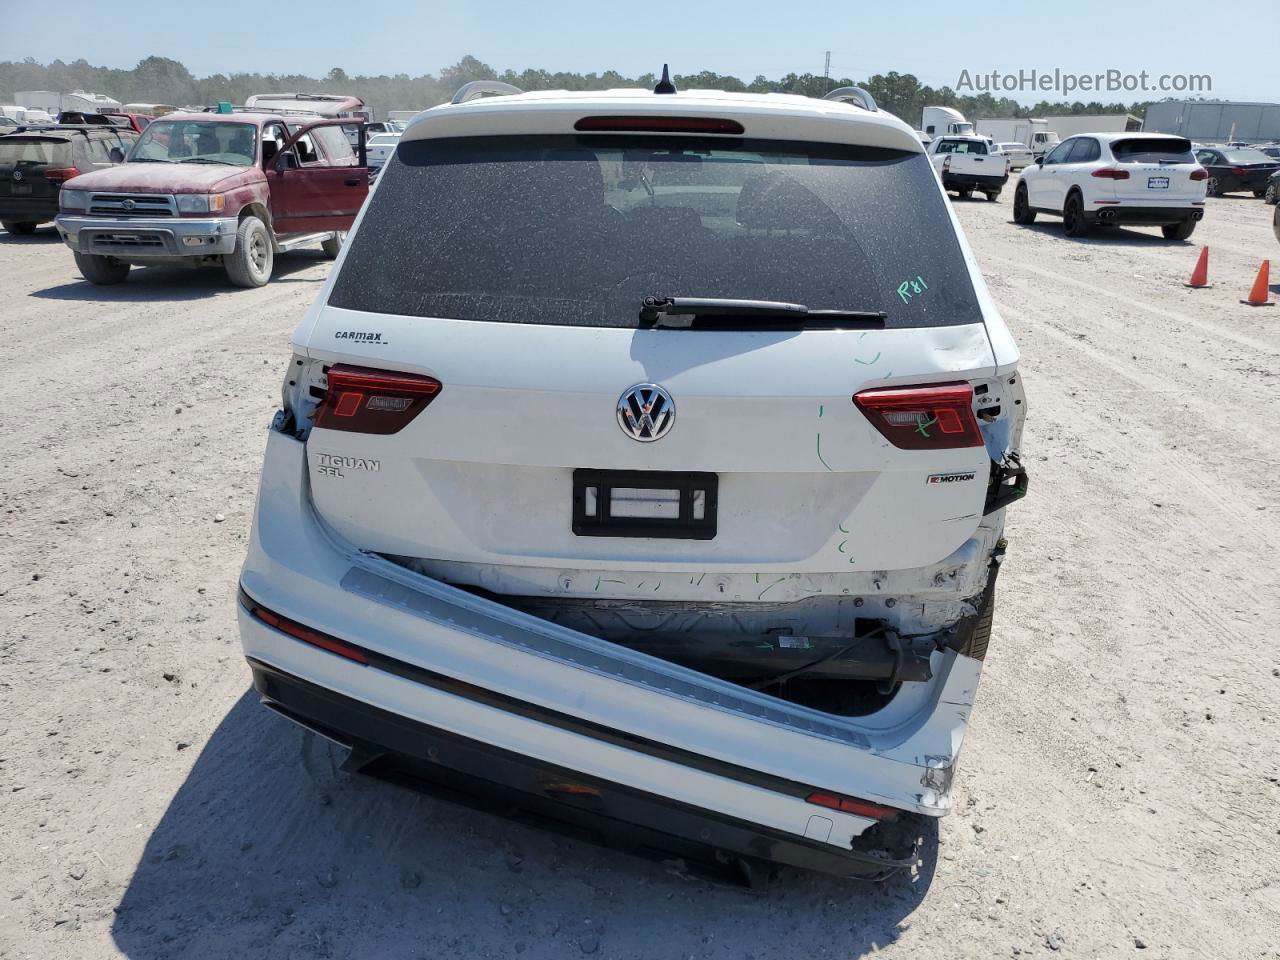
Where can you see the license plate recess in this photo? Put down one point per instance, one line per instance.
(658, 504)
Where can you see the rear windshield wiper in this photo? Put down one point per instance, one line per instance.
(713, 312)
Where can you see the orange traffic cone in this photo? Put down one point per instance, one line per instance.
(1259, 296)
(1200, 275)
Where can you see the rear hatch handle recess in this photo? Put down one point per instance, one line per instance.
(685, 312)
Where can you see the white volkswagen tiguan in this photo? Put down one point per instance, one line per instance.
(643, 464)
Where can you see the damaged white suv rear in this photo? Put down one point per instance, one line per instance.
(643, 466)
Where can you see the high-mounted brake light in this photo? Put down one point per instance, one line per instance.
(307, 635)
(936, 417)
(1199, 173)
(1111, 173)
(861, 808)
(60, 174)
(626, 124)
(360, 400)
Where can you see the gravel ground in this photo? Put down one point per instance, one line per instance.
(1118, 794)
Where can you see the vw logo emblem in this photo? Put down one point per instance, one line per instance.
(646, 412)
(128, 204)
(17, 174)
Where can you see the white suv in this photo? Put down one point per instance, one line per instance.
(1116, 178)
(643, 462)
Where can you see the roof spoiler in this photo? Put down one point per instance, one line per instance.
(484, 88)
(854, 95)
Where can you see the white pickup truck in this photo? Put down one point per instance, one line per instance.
(966, 164)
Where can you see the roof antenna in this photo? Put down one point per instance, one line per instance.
(664, 85)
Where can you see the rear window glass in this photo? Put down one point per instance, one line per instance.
(18, 151)
(962, 146)
(579, 230)
(1147, 150)
(1246, 155)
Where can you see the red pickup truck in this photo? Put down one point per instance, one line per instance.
(230, 189)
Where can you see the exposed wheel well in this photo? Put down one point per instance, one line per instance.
(256, 210)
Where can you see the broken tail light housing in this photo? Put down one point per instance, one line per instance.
(361, 400)
(633, 124)
(935, 417)
(859, 808)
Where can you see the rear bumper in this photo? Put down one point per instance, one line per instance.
(24, 210)
(149, 237)
(1130, 213)
(451, 661)
(465, 770)
(952, 181)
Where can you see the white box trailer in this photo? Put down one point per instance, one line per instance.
(54, 103)
(1036, 135)
(1215, 121)
(1068, 125)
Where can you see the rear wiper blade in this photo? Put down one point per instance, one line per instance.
(664, 310)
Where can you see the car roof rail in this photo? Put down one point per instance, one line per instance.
(855, 95)
(484, 88)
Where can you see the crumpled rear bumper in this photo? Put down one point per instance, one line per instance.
(450, 661)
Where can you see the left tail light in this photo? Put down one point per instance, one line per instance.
(1111, 173)
(361, 400)
(937, 417)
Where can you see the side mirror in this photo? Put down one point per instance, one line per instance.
(1040, 161)
(287, 161)
(116, 155)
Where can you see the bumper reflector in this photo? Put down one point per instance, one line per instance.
(860, 808)
(307, 635)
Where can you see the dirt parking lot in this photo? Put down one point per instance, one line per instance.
(1120, 789)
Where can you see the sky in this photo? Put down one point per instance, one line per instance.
(936, 41)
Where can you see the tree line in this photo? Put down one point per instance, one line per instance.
(162, 80)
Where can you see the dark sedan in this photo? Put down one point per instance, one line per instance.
(1236, 170)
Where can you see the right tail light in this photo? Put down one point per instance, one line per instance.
(935, 417)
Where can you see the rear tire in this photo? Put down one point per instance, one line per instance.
(1178, 231)
(104, 271)
(976, 645)
(249, 265)
(1073, 219)
(20, 228)
(965, 194)
(333, 246)
(1022, 212)
(1269, 195)
(1275, 222)
(1259, 194)
(993, 197)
